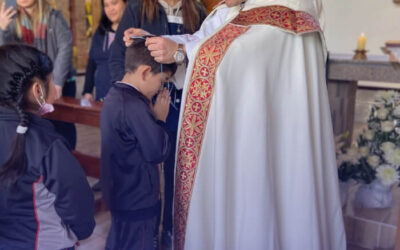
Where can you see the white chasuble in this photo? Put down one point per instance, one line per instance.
(255, 160)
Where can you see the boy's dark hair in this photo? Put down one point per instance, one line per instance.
(19, 65)
(137, 54)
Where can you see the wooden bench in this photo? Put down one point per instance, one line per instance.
(68, 109)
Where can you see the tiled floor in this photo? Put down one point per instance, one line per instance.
(89, 143)
(365, 228)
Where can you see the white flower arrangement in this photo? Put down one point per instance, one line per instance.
(377, 152)
(387, 174)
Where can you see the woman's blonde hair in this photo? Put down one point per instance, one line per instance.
(40, 12)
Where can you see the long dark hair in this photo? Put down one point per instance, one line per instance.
(190, 13)
(19, 65)
(105, 23)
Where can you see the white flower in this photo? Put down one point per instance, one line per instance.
(387, 174)
(369, 134)
(373, 161)
(396, 111)
(393, 157)
(387, 126)
(382, 114)
(387, 96)
(352, 155)
(364, 151)
(387, 147)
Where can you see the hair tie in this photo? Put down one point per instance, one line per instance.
(21, 129)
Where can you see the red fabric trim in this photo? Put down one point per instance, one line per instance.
(194, 121)
(35, 209)
(279, 16)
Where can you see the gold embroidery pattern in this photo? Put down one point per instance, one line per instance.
(194, 121)
(282, 17)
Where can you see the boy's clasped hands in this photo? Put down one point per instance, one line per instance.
(161, 106)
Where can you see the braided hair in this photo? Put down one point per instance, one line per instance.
(20, 65)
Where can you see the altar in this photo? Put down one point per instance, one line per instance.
(365, 228)
(343, 75)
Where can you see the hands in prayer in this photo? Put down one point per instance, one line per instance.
(161, 106)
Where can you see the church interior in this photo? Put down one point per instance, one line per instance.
(363, 43)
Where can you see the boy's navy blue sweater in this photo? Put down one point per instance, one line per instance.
(51, 204)
(133, 144)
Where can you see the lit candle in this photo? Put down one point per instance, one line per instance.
(361, 42)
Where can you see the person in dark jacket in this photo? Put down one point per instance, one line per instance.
(36, 23)
(45, 199)
(160, 17)
(134, 143)
(97, 70)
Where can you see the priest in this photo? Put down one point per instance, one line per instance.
(255, 163)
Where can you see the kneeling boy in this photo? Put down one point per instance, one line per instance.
(134, 142)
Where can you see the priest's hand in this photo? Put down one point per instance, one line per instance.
(6, 15)
(162, 49)
(133, 32)
(161, 106)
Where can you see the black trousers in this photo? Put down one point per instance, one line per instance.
(66, 129)
(169, 166)
(132, 235)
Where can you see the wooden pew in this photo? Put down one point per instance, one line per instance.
(69, 110)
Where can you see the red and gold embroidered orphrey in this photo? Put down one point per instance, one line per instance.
(200, 92)
(279, 16)
(194, 120)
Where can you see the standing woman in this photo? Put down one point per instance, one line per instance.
(45, 199)
(97, 71)
(160, 17)
(37, 24)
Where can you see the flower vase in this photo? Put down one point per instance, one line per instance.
(344, 191)
(374, 195)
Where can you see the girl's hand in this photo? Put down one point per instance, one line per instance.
(6, 16)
